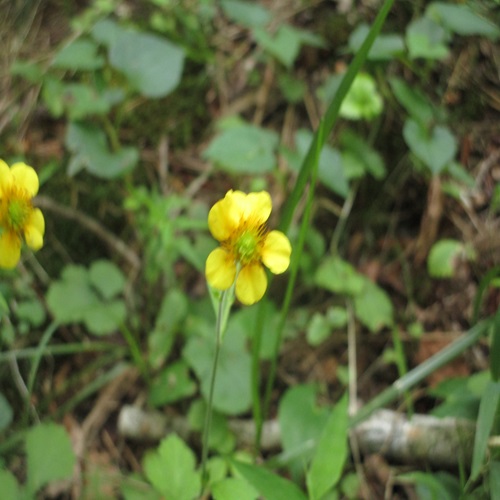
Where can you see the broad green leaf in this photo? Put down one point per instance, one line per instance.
(338, 276)
(248, 14)
(384, 48)
(330, 168)
(107, 278)
(171, 385)
(495, 348)
(90, 151)
(302, 422)
(107, 31)
(104, 318)
(32, 311)
(433, 485)
(415, 102)
(318, 329)
(426, 39)
(286, 42)
(461, 19)
(6, 413)
(80, 54)
(441, 262)
(435, 147)
(495, 479)
(269, 485)
(487, 411)
(50, 456)
(10, 488)
(373, 307)
(363, 154)
(233, 488)
(232, 392)
(171, 470)
(152, 64)
(29, 70)
(331, 453)
(244, 149)
(363, 100)
(172, 312)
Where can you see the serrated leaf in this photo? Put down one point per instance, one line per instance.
(442, 258)
(435, 147)
(49, 454)
(231, 488)
(107, 278)
(363, 100)
(171, 470)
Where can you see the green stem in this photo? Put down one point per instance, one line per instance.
(208, 415)
(401, 364)
(422, 371)
(135, 351)
(256, 401)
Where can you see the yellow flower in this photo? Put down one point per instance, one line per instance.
(238, 222)
(18, 217)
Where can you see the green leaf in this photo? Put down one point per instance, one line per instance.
(247, 14)
(363, 154)
(50, 456)
(6, 413)
(461, 19)
(301, 422)
(330, 168)
(495, 479)
(107, 278)
(431, 486)
(436, 147)
(441, 262)
(331, 453)
(373, 307)
(244, 149)
(90, 151)
(285, 44)
(10, 488)
(232, 392)
(414, 101)
(384, 48)
(269, 485)
(426, 39)
(486, 417)
(80, 54)
(233, 488)
(172, 312)
(152, 65)
(363, 100)
(338, 276)
(104, 318)
(171, 470)
(495, 348)
(171, 385)
(29, 70)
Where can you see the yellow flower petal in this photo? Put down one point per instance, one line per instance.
(276, 252)
(259, 206)
(25, 176)
(10, 250)
(35, 229)
(5, 177)
(220, 269)
(223, 218)
(251, 284)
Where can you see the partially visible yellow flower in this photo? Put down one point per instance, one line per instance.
(238, 222)
(18, 217)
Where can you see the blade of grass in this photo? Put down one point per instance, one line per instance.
(307, 175)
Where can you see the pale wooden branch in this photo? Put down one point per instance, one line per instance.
(423, 439)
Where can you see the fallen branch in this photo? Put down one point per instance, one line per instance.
(423, 439)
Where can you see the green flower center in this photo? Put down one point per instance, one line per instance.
(246, 247)
(18, 210)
